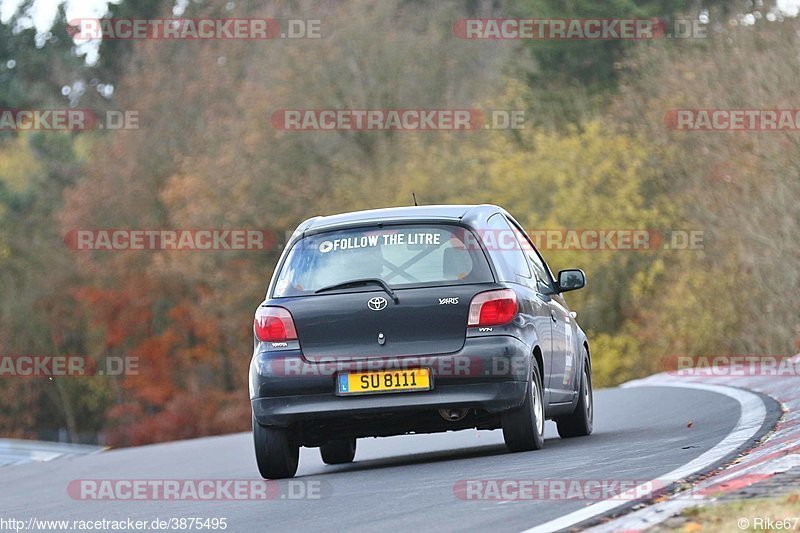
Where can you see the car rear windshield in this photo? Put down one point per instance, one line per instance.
(401, 256)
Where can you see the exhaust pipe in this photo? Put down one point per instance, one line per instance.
(453, 415)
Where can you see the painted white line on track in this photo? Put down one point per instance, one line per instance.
(753, 414)
(657, 513)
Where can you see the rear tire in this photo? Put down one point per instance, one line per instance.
(523, 426)
(581, 421)
(338, 451)
(277, 452)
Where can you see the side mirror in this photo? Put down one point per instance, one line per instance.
(571, 279)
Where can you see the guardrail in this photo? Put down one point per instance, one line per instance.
(17, 451)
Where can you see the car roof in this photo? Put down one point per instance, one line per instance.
(399, 214)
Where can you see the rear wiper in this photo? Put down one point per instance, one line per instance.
(365, 281)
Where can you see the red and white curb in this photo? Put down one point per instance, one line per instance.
(778, 453)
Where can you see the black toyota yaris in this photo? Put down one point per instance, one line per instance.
(414, 320)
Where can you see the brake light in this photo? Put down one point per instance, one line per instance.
(493, 308)
(274, 324)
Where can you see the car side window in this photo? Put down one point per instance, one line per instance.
(502, 245)
(540, 269)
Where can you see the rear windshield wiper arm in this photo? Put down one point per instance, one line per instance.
(356, 282)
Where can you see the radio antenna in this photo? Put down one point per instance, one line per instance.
(414, 196)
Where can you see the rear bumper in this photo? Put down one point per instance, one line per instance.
(489, 373)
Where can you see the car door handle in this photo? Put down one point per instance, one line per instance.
(553, 315)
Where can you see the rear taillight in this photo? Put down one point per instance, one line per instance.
(493, 308)
(274, 324)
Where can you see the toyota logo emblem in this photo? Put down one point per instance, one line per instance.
(377, 303)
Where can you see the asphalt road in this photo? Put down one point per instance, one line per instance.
(395, 484)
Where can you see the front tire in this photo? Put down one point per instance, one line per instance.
(277, 452)
(338, 451)
(523, 426)
(581, 421)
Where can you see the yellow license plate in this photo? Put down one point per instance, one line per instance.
(412, 379)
